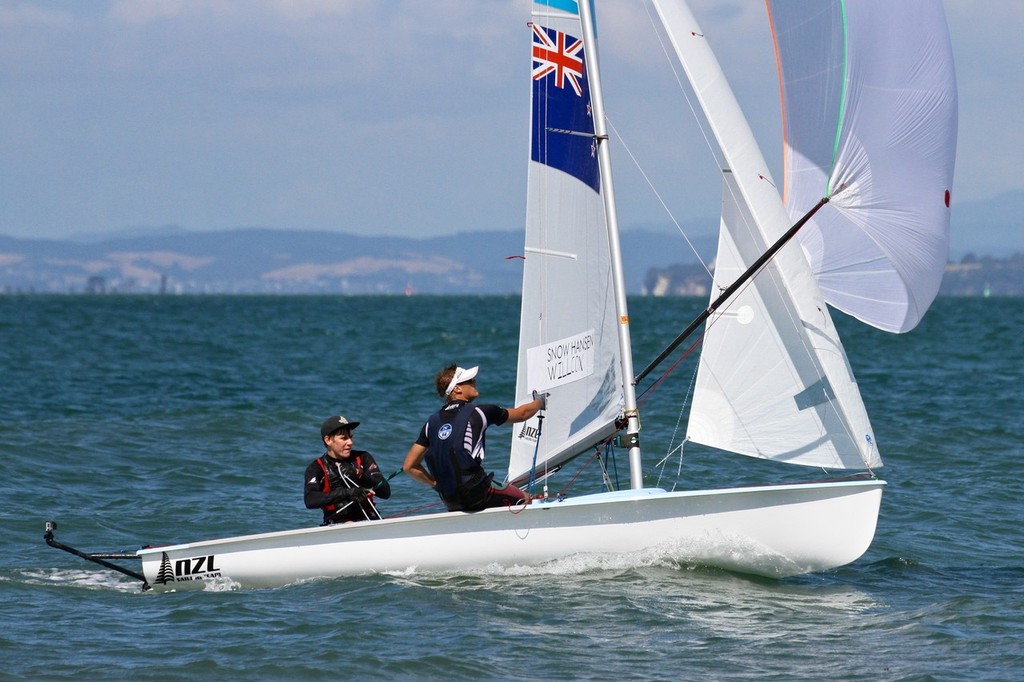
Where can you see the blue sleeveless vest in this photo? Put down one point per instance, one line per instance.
(461, 480)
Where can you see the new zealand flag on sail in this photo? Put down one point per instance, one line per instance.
(563, 127)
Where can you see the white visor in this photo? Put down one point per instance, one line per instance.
(461, 376)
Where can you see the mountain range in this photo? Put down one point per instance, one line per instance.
(266, 260)
(263, 260)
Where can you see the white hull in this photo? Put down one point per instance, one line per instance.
(774, 531)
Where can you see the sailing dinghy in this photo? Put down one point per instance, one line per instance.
(869, 103)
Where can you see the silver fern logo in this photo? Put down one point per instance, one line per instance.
(166, 573)
(528, 432)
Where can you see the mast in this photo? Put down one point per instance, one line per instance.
(615, 251)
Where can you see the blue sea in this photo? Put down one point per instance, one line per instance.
(158, 419)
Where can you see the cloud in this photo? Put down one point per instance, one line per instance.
(382, 116)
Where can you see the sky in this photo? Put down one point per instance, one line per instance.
(389, 117)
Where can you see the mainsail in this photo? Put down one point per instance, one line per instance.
(568, 327)
(870, 115)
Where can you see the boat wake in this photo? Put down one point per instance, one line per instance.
(63, 577)
(675, 556)
(221, 584)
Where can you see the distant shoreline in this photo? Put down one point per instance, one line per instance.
(280, 262)
(981, 276)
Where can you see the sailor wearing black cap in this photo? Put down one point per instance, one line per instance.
(343, 482)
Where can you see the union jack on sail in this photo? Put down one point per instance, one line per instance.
(563, 124)
(551, 54)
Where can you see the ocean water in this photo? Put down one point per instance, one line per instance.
(148, 420)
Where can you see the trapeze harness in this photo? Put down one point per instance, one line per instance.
(340, 482)
(462, 482)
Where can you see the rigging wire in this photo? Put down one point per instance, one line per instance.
(657, 195)
(682, 88)
(701, 125)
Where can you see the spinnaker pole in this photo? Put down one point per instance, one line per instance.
(740, 281)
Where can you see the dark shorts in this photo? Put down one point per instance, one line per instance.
(506, 496)
(491, 496)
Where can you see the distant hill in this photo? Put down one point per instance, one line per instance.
(984, 237)
(994, 227)
(262, 260)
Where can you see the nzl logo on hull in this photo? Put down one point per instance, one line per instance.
(183, 570)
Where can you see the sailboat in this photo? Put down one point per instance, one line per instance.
(869, 103)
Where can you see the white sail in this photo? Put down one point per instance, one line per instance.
(568, 345)
(773, 380)
(870, 115)
(765, 384)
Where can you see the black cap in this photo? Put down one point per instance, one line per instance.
(332, 424)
